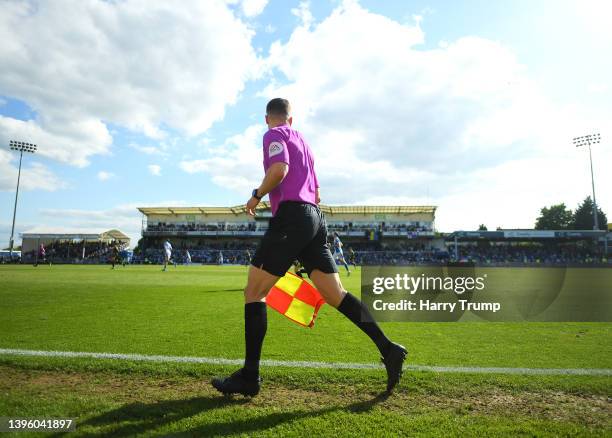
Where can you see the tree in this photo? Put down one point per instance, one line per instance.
(482, 227)
(583, 216)
(555, 217)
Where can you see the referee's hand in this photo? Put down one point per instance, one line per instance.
(251, 204)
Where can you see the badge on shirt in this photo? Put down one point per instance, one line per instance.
(275, 148)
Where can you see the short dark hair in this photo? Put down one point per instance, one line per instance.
(278, 107)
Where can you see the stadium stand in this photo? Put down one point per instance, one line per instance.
(206, 231)
(380, 235)
(530, 247)
(72, 247)
(6, 257)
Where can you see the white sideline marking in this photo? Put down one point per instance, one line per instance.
(305, 364)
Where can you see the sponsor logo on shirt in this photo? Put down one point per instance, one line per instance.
(275, 148)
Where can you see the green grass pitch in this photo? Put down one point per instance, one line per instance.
(197, 311)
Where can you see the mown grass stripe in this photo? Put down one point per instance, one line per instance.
(307, 364)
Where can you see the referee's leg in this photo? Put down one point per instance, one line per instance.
(258, 285)
(330, 287)
(246, 380)
(393, 355)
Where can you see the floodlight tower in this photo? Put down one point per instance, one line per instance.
(587, 140)
(22, 147)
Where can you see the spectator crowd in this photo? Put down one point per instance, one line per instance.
(407, 252)
(262, 226)
(505, 255)
(70, 251)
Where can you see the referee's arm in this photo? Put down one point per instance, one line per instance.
(274, 176)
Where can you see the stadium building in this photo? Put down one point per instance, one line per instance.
(547, 247)
(67, 247)
(231, 228)
(380, 235)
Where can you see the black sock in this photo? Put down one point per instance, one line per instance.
(255, 326)
(352, 308)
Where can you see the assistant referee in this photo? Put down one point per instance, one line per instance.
(297, 231)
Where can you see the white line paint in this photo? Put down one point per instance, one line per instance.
(305, 364)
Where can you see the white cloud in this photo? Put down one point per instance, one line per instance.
(462, 122)
(598, 88)
(105, 176)
(67, 140)
(390, 120)
(303, 13)
(140, 65)
(34, 175)
(154, 169)
(149, 150)
(236, 165)
(252, 8)
(124, 217)
(594, 18)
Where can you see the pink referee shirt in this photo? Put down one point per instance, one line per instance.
(286, 145)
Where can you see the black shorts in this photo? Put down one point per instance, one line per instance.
(297, 232)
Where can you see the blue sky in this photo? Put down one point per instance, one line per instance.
(467, 105)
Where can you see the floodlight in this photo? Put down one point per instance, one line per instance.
(588, 140)
(22, 147)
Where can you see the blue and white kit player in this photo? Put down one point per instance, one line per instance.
(167, 254)
(338, 253)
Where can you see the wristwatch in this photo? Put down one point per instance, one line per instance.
(254, 194)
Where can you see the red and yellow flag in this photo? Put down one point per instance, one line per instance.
(295, 298)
